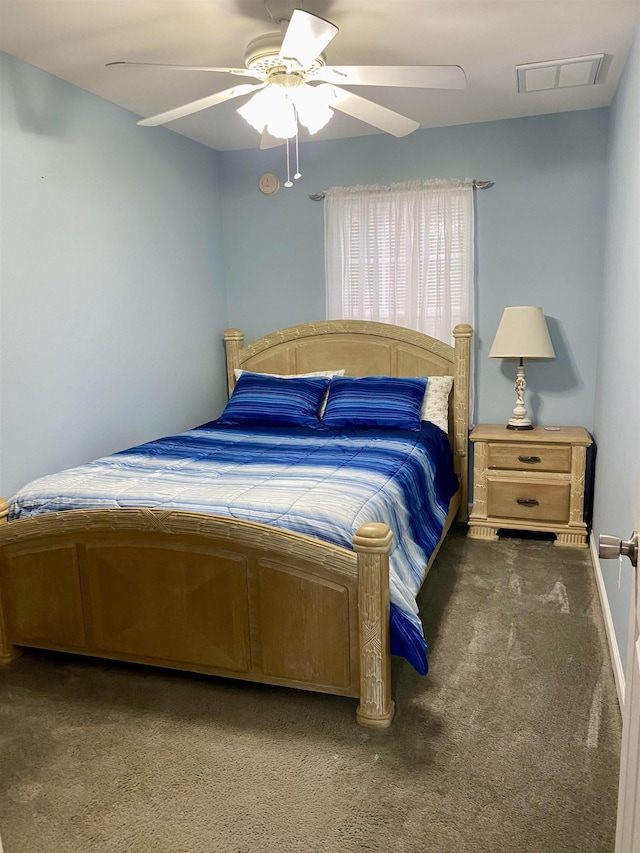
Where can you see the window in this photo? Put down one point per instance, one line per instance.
(401, 254)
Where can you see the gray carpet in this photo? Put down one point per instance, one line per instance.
(510, 744)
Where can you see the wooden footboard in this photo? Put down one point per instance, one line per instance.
(204, 594)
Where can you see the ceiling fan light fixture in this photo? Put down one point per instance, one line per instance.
(283, 124)
(314, 106)
(279, 108)
(271, 108)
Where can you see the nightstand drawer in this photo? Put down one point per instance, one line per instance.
(529, 500)
(529, 457)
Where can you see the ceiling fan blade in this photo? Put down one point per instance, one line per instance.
(411, 76)
(242, 72)
(305, 39)
(201, 104)
(268, 141)
(371, 113)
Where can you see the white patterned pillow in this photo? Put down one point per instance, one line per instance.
(435, 405)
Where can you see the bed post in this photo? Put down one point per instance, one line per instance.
(8, 652)
(461, 384)
(372, 542)
(233, 340)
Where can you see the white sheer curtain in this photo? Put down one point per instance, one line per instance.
(401, 254)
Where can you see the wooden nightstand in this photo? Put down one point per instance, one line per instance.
(529, 480)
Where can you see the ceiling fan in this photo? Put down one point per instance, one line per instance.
(296, 86)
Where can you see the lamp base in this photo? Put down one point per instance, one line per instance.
(520, 419)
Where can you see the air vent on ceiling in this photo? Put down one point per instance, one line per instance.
(559, 73)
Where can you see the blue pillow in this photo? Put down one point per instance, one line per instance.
(374, 401)
(261, 399)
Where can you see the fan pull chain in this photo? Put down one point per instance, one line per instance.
(288, 182)
(298, 173)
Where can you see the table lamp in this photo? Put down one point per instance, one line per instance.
(522, 333)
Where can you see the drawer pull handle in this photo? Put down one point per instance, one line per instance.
(527, 501)
(531, 460)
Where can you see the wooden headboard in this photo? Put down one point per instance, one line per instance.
(365, 348)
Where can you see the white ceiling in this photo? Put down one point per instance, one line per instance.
(73, 39)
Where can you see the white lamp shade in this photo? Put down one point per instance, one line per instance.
(522, 333)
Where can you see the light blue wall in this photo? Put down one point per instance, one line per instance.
(617, 404)
(112, 300)
(539, 235)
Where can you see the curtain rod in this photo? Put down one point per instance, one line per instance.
(477, 185)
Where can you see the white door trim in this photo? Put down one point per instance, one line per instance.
(614, 651)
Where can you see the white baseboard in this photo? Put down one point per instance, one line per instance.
(618, 670)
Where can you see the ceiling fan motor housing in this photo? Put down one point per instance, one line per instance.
(263, 54)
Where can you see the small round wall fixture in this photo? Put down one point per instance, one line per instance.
(269, 183)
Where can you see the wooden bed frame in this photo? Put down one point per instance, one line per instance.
(222, 596)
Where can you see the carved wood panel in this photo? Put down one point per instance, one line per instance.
(310, 642)
(169, 604)
(42, 595)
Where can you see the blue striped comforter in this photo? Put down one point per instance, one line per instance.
(324, 483)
